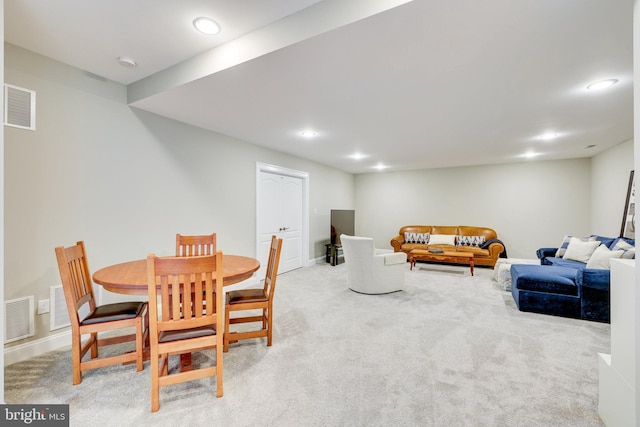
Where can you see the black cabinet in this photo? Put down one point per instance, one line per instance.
(333, 254)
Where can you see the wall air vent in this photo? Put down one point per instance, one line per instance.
(19, 107)
(59, 315)
(19, 321)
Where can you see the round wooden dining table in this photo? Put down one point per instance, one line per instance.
(131, 277)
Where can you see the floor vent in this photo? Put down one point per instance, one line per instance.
(19, 321)
(19, 107)
(59, 316)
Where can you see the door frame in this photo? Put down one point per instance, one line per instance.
(264, 167)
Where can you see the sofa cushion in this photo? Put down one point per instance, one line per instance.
(600, 258)
(607, 241)
(561, 262)
(474, 250)
(488, 233)
(422, 238)
(579, 250)
(546, 279)
(470, 240)
(408, 247)
(446, 229)
(565, 243)
(627, 245)
(447, 248)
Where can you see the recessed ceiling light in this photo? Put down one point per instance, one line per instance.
(308, 133)
(357, 156)
(590, 146)
(206, 26)
(548, 136)
(530, 154)
(380, 166)
(125, 61)
(603, 84)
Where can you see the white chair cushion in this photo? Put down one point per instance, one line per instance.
(395, 258)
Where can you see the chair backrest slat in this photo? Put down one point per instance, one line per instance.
(195, 245)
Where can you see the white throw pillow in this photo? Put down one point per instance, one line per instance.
(601, 257)
(629, 251)
(565, 242)
(442, 239)
(579, 250)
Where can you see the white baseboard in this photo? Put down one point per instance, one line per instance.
(35, 348)
(314, 261)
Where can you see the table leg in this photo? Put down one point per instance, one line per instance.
(471, 266)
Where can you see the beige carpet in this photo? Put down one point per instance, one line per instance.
(449, 350)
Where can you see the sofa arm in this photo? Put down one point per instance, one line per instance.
(397, 243)
(596, 278)
(546, 252)
(495, 249)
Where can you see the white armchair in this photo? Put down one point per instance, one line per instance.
(369, 273)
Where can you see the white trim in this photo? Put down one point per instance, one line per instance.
(319, 260)
(35, 348)
(264, 167)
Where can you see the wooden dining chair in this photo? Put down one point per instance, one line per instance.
(78, 293)
(188, 321)
(252, 299)
(195, 245)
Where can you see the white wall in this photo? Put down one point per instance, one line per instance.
(636, 162)
(530, 205)
(2, 205)
(125, 181)
(609, 182)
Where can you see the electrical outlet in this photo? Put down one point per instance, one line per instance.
(43, 306)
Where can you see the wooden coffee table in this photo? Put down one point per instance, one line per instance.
(446, 256)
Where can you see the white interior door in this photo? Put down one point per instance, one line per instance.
(280, 211)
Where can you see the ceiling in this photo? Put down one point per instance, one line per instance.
(407, 84)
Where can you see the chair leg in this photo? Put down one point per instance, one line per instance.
(264, 318)
(226, 330)
(94, 347)
(76, 358)
(269, 328)
(219, 370)
(139, 339)
(155, 381)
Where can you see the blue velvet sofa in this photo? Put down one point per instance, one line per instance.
(564, 287)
